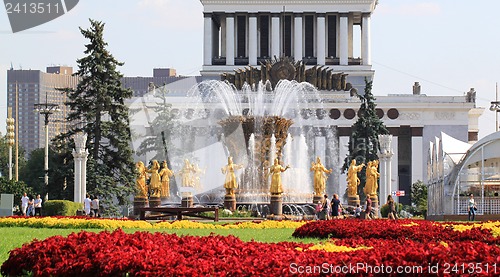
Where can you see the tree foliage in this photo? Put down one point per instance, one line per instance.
(59, 174)
(164, 128)
(97, 109)
(363, 142)
(419, 197)
(18, 188)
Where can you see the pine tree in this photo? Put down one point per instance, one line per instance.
(98, 109)
(165, 128)
(363, 142)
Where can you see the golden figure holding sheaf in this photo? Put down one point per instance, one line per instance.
(230, 184)
(353, 179)
(154, 179)
(197, 172)
(140, 181)
(187, 173)
(372, 176)
(275, 172)
(319, 176)
(165, 174)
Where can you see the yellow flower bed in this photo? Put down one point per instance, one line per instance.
(494, 227)
(78, 223)
(332, 247)
(82, 223)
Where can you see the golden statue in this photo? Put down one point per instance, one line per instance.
(275, 170)
(154, 179)
(353, 179)
(319, 176)
(142, 188)
(187, 174)
(197, 172)
(372, 175)
(165, 174)
(230, 183)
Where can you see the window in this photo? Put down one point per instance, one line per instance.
(309, 35)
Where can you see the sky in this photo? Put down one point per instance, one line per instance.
(449, 46)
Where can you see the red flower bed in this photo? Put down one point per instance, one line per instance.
(158, 254)
(422, 231)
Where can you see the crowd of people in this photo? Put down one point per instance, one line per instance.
(333, 209)
(33, 206)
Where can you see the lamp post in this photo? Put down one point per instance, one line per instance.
(10, 140)
(495, 107)
(46, 109)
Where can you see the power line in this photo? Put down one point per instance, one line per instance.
(425, 80)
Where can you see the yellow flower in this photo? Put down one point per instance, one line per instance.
(332, 247)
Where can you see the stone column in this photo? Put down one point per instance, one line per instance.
(321, 39)
(207, 39)
(80, 154)
(229, 39)
(297, 41)
(366, 40)
(77, 194)
(275, 35)
(385, 156)
(252, 39)
(343, 39)
(417, 164)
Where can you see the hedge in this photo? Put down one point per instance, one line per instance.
(61, 207)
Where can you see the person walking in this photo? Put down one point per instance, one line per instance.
(472, 208)
(368, 208)
(86, 204)
(38, 205)
(392, 208)
(327, 208)
(95, 206)
(336, 207)
(24, 203)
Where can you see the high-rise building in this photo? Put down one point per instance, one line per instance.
(28, 87)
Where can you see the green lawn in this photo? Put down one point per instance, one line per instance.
(13, 237)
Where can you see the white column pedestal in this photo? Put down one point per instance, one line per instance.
(385, 156)
(297, 41)
(275, 36)
(207, 39)
(252, 39)
(230, 40)
(366, 40)
(321, 39)
(343, 40)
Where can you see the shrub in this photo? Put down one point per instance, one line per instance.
(384, 210)
(61, 207)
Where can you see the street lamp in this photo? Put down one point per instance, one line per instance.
(46, 109)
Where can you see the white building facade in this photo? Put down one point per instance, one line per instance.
(319, 32)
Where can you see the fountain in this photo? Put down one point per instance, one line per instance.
(263, 117)
(255, 116)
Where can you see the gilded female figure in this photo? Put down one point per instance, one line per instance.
(142, 189)
(372, 176)
(275, 172)
(352, 178)
(230, 183)
(319, 176)
(165, 174)
(154, 180)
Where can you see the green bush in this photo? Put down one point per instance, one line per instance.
(61, 207)
(384, 210)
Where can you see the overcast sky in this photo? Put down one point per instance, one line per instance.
(449, 46)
